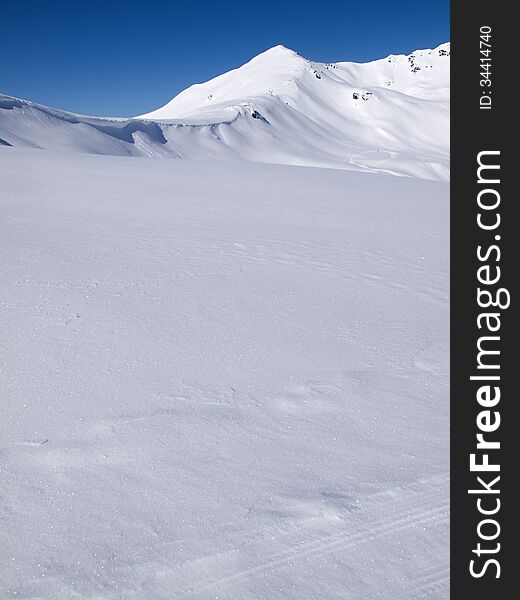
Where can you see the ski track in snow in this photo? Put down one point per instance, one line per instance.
(415, 508)
(222, 381)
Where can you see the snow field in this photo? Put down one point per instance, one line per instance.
(222, 380)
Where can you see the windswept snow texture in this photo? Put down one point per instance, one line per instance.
(221, 380)
(390, 116)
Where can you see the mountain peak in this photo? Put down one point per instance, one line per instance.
(279, 49)
(277, 53)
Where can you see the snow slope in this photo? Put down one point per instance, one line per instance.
(390, 115)
(221, 380)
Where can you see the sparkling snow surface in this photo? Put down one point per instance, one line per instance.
(221, 380)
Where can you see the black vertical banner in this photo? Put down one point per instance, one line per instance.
(484, 250)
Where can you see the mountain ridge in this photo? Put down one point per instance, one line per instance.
(279, 60)
(390, 115)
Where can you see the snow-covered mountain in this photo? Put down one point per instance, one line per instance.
(389, 115)
(230, 379)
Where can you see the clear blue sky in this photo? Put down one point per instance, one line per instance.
(125, 58)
